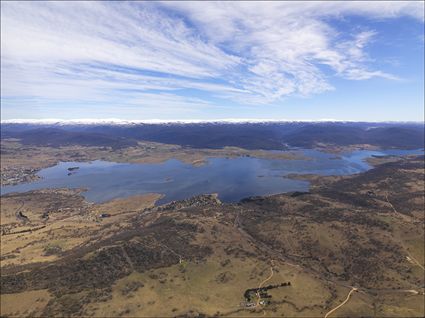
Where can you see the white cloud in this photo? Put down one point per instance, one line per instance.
(250, 52)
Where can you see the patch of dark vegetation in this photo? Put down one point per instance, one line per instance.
(52, 250)
(66, 305)
(74, 304)
(99, 271)
(131, 287)
(224, 277)
(203, 200)
(225, 263)
(251, 294)
(298, 193)
(192, 314)
(22, 217)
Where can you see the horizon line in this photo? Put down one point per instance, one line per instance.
(116, 121)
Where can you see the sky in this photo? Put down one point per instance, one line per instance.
(183, 60)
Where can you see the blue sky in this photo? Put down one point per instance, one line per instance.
(213, 60)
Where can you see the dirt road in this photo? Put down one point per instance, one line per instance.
(263, 282)
(343, 303)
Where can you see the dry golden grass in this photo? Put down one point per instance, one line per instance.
(170, 291)
(130, 204)
(29, 303)
(65, 228)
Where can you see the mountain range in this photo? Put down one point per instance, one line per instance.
(249, 135)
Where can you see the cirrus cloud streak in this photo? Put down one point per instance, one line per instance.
(244, 52)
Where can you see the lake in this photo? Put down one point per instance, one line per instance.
(232, 178)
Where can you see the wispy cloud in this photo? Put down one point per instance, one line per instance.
(146, 53)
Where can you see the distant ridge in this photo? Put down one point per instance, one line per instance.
(243, 133)
(115, 121)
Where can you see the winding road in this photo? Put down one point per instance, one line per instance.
(343, 303)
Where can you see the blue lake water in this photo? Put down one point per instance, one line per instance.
(233, 179)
